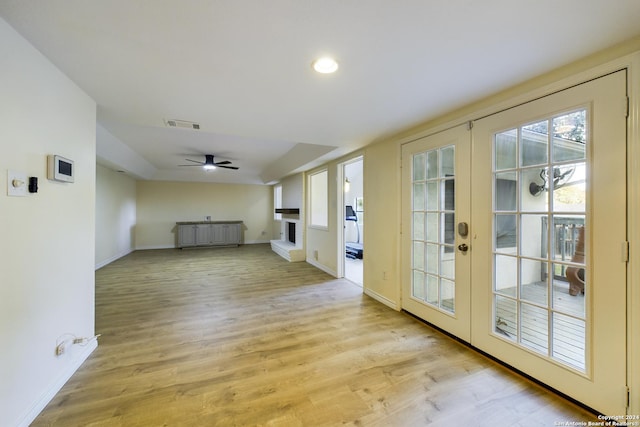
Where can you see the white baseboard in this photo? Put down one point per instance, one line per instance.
(144, 248)
(49, 394)
(113, 258)
(324, 268)
(384, 300)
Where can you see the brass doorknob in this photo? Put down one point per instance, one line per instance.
(463, 247)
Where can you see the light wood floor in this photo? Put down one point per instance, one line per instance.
(240, 337)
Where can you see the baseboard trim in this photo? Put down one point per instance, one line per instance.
(144, 248)
(324, 268)
(113, 258)
(55, 387)
(384, 300)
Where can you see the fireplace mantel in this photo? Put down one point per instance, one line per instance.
(288, 211)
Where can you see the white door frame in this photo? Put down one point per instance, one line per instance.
(598, 386)
(340, 239)
(546, 86)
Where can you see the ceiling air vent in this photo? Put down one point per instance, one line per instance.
(182, 124)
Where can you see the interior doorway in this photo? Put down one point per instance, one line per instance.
(351, 239)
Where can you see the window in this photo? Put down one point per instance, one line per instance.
(319, 199)
(539, 195)
(433, 229)
(277, 201)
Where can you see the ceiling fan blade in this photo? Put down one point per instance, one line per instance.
(194, 161)
(209, 163)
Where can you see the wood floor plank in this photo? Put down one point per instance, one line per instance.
(240, 337)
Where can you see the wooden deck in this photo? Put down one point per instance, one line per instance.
(562, 337)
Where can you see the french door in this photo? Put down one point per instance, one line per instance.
(436, 262)
(540, 279)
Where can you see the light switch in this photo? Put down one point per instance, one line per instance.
(16, 183)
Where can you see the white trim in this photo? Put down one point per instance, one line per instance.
(57, 385)
(340, 219)
(341, 200)
(633, 236)
(144, 248)
(322, 267)
(380, 298)
(113, 258)
(398, 260)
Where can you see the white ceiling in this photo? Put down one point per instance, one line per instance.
(242, 70)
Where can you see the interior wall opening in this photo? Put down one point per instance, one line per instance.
(353, 220)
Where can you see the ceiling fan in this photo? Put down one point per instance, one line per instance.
(210, 164)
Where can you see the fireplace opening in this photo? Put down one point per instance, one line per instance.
(291, 232)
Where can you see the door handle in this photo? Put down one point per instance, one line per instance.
(463, 247)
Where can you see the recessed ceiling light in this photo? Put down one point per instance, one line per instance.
(325, 65)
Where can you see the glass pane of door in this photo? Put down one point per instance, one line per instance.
(433, 228)
(539, 180)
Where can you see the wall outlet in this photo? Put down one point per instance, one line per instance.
(315, 255)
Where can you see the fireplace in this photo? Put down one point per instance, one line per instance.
(291, 232)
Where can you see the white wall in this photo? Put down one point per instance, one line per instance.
(161, 204)
(293, 192)
(382, 227)
(48, 242)
(382, 183)
(292, 198)
(115, 215)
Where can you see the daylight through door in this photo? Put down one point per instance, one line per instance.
(549, 221)
(539, 232)
(514, 238)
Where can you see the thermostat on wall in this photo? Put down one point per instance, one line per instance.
(60, 168)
